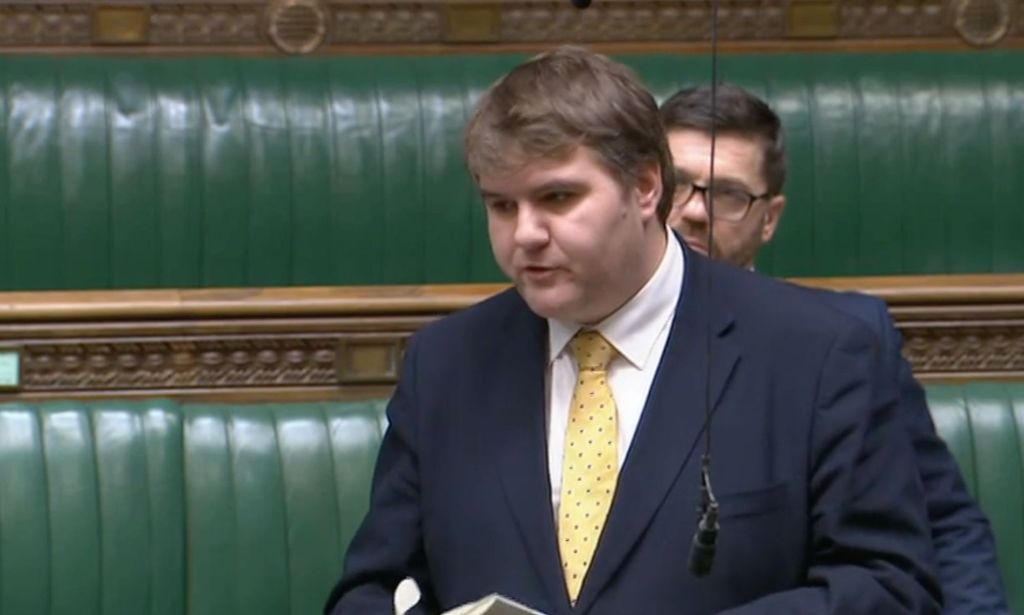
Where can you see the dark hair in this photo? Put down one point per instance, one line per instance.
(562, 99)
(737, 112)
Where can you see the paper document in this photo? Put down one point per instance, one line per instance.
(493, 605)
(407, 595)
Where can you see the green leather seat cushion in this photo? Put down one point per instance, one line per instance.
(153, 507)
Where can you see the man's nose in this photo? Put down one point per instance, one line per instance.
(693, 210)
(531, 227)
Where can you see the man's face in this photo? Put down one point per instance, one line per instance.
(739, 164)
(576, 243)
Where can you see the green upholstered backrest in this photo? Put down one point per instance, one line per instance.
(983, 424)
(92, 513)
(156, 508)
(151, 508)
(213, 171)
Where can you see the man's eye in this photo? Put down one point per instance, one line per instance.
(731, 195)
(501, 206)
(558, 197)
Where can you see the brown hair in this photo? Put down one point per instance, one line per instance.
(550, 105)
(737, 112)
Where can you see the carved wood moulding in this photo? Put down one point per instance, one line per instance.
(870, 19)
(205, 24)
(963, 351)
(348, 342)
(283, 343)
(956, 327)
(304, 26)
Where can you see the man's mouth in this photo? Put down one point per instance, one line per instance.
(538, 272)
(696, 245)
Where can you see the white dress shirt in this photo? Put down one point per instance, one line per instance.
(638, 330)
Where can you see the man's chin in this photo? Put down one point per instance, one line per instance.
(696, 246)
(545, 302)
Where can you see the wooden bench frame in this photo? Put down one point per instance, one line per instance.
(346, 342)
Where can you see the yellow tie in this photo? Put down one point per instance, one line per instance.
(590, 467)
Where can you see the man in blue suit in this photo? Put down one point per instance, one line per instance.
(545, 444)
(750, 171)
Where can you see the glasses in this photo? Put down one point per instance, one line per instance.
(730, 204)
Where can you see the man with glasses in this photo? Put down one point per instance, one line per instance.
(749, 174)
(750, 169)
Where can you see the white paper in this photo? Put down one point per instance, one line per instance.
(407, 595)
(493, 605)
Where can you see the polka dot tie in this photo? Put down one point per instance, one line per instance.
(590, 467)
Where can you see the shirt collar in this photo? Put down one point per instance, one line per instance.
(635, 326)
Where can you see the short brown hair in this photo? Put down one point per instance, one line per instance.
(557, 101)
(736, 112)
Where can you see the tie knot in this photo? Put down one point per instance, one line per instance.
(592, 351)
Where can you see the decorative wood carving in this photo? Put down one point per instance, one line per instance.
(954, 327)
(964, 351)
(898, 19)
(169, 363)
(303, 26)
(362, 23)
(344, 342)
(297, 26)
(641, 21)
(31, 25)
(983, 22)
(185, 24)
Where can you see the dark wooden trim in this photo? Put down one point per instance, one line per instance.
(408, 27)
(347, 342)
(219, 395)
(239, 302)
(911, 291)
(688, 48)
(989, 290)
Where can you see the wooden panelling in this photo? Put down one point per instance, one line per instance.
(344, 26)
(955, 327)
(312, 343)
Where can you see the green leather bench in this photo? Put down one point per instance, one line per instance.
(160, 508)
(228, 171)
(983, 424)
(152, 508)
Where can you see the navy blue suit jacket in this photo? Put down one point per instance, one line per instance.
(964, 548)
(822, 510)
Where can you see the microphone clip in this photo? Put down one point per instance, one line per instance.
(702, 552)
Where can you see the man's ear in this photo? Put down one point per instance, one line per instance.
(648, 187)
(772, 215)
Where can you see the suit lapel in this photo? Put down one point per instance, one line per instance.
(520, 442)
(669, 432)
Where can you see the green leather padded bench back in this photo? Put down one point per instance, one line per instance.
(185, 172)
(151, 508)
(983, 424)
(92, 510)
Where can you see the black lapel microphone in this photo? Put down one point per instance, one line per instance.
(702, 551)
